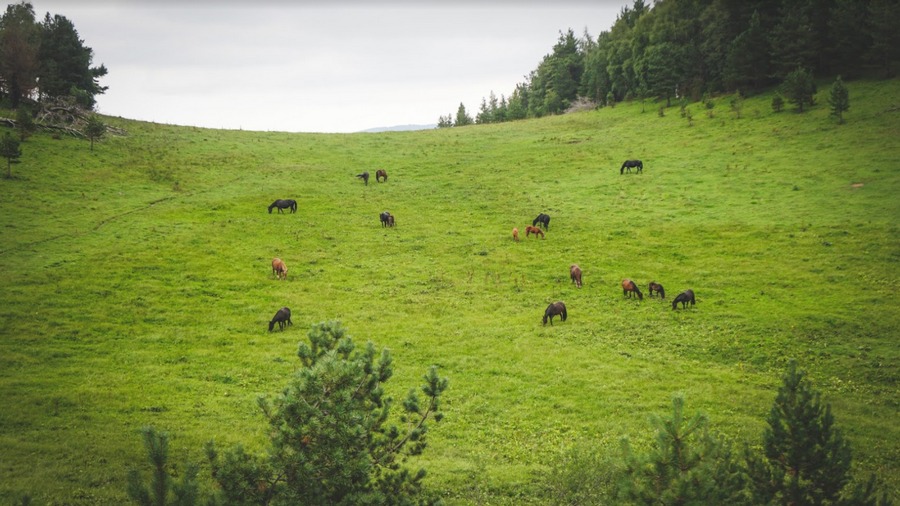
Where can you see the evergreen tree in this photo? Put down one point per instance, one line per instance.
(24, 123)
(19, 45)
(851, 37)
(331, 443)
(793, 40)
(747, 63)
(884, 54)
(94, 129)
(839, 99)
(799, 88)
(66, 63)
(462, 117)
(806, 459)
(9, 149)
(162, 491)
(685, 465)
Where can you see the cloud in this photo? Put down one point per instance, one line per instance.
(352, 65)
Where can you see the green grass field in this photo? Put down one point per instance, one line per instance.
(137, 285)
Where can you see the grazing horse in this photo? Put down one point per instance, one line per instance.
(684, 297)
(534, 230)
(515, 234)
(283, 204)
(557, 308)
(575, 274)
(365, 177)
(282, 317)
(380, 173)
(658, 288)
(629, 287)
(632, 163)
(387, 219)
(279, 269)
(543, 219)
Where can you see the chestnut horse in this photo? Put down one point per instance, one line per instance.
(557, 308)
(534, 230)
(279, 269)
(629, 287)
(380, 173)
(684, 297)
(658, 288)
(575, 274)
(515, 234)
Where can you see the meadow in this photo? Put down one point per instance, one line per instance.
(137, 285)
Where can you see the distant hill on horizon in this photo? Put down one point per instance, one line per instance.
(399, 128)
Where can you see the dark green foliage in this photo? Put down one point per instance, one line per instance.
(799, 88)
(9, 149)
(65, 63)
(777, 102)
(19, 43)
(806, 460)
(839, 99)
(685, 465)
(331, 441)
(94, 129)
(24, 123)
(162, 490)
(884, 53)
(688, 48)
(462, 117)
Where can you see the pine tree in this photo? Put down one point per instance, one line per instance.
(24, 123)
(806, 459)
(799, 88)
(162, 491)
(685, 465)
(65, 63)
(462, 117)
(9, 149)
(839, 99)
(94, 129)
(331, 441)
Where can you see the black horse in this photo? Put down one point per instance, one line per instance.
(557, 308)
(365, 177)
(284, 204)
(282, 317)
(387, 219)
(632, 163)
(543, 219)
(684, 297)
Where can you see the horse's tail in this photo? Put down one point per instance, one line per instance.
(662, 292)
(564, 314)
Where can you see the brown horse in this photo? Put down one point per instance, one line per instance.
(629, 287)
(557, 308)
(534, 230)
(380, 173)
(684, 297)
(658, 288)
(515, 234)
(575, 274)
(279, 269)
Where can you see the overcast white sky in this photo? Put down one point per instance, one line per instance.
(338, 66)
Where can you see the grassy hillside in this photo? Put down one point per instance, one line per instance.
(137, 285)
